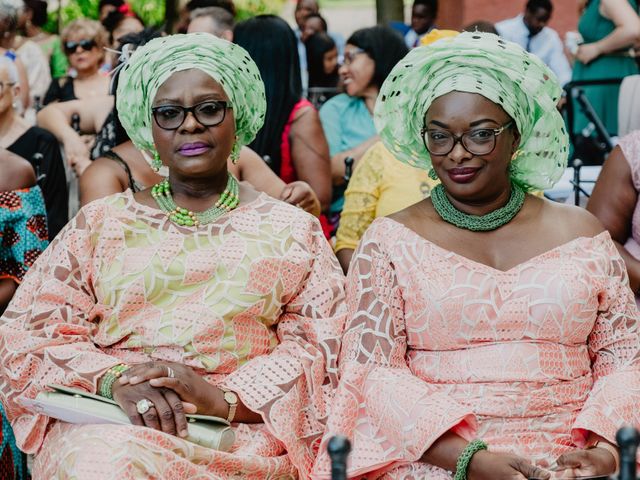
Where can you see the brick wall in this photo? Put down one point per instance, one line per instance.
(455, 14)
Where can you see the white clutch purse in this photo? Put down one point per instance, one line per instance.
(77, 406)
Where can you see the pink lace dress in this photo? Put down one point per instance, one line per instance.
(253, 301)
(531, 359)
(630, 146)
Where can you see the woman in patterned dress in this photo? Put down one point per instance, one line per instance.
(483, 316)
(23, 234)
(224, 298)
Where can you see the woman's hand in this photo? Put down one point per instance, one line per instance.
(181, 379)
(588, 52)
(77, 153)
(167, 413)
(486, 465)
(302, 195)
(593, 461)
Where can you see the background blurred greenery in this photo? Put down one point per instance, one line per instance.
(152, 12)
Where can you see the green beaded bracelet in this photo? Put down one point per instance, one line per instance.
(109, 378)
(462, 465)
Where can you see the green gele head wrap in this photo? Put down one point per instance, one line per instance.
(500, 71)
(152, 64)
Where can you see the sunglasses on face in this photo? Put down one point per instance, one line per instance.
(208, 114)
(86, 45)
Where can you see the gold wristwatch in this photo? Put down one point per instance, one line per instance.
(232, 399)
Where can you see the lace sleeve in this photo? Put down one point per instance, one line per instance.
(614, 346)
(360, 200)
(292, 387)
(390, 415)
(46, 332)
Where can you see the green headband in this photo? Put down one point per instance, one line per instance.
(498, 70)
(228, 64)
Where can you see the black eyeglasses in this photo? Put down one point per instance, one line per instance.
(86, 45)
(350, 56)
(7, 84)
(479, 141)
(207, 114)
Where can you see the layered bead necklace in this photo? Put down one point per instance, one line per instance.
(477, 223)
(229, 199)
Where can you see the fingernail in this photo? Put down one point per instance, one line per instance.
(154, 382)
(183, 433)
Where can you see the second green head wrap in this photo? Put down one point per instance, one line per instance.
(228, 64)
(500, 71)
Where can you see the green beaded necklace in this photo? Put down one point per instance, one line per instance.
(477, 223)
(228, 200)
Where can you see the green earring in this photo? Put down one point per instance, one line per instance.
(156, 162)
(432, 174)
(235, 152)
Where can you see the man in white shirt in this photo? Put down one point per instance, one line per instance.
(423, 17)
(530, 31)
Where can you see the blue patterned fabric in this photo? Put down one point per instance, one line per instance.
(23, 231)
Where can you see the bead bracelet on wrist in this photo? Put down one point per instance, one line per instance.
(462, 465)
(109, 378)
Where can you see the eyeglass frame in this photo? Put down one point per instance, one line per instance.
(351, 54)
(192, 109)
(76, 44)
(2, 85)
(458, 138)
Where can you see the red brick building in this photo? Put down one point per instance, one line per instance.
(455, 14)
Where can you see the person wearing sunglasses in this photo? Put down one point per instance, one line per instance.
(83, 42)
(347, 119)
(202, 294)
(492, 333)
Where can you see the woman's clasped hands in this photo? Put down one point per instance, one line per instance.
(159, 395)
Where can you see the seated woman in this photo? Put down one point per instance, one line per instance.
(322, 63)
(292, 135)
(123, 166)
(483, 312)
(615, 202)
(347, 119)
(83, 42)
(236, 293)
(23, 229)
(36, 145)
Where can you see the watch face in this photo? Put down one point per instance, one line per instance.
(230, 397)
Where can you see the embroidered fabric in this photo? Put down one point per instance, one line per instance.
(530, 360)
(380, 185)
(253, 302)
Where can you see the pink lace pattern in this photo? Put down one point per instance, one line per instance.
(530, 360)
(253, 301)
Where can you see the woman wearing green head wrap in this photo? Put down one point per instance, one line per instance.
(198, 295)
(483, 316)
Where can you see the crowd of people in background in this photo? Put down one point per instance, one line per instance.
(354, 132)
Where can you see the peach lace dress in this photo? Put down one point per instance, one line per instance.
(253, 301)
(531, 359)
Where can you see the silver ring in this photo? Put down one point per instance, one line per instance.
(143, 406)
(170, 372)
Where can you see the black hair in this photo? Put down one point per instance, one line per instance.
(274, 47)
(38, 9)
(317, 45)
(481, 26)
(534, 5)
(137, 39)
(325, 27)
(113, 3)
(432, 5)
(384, 45)
(226, 4)
(115, 18)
